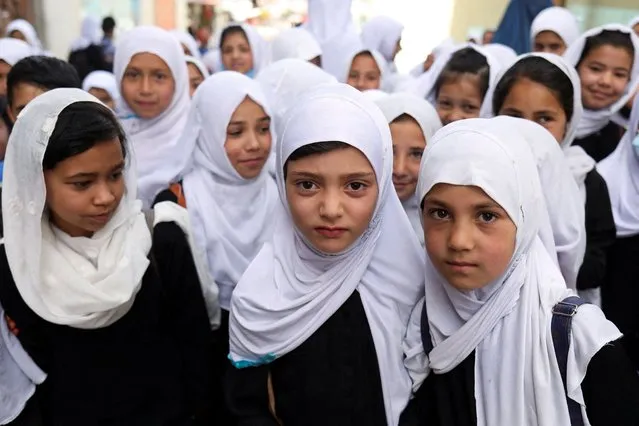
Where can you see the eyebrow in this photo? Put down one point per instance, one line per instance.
(480, 206)
(261, 120)
(349, 176)
(86, 175)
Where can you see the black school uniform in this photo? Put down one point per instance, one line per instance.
(601, 144)
(149, 368)
(331, 379)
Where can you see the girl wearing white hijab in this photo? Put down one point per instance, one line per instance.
(364, 69)
(103, 86)
(318, 317)
(384, 35)
(607, 60)
(504, 54)
(23, 30)
(197, 73)
(553, 30)
(113, 314)
(90, 33)
(11, 51)
(296, 43)
(484, 343)
(243, 49)
(151, 72)
(413, 122)
(189, 45)
(621, 171)
(544, 88)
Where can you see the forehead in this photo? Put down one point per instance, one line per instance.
(461, 85)
(236, 38)
(146, 60)
(25, 92)
(341, 161)
(248, 108)
(364, 60)
(548, 36)
(529, 94)
(613, 56)
(103, 156)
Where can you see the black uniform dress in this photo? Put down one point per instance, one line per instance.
(330, 379)
(149, 368)
(601, 144)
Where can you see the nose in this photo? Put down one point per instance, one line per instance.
(606, 78)
(252, 141)
(399, 165)
(331, 207)
(104, 194)
(146, 85)
(461, 236)
(455, 114)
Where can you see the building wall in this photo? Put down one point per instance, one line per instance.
(475, 16)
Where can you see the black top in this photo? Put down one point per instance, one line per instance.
(600, 232)
(87, 60)
(601, 144)
(331, 379)
(149, 368)
(610, 389)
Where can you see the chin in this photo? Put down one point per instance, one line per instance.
(330, 247)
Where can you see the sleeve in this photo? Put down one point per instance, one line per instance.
(187, 318)
(247, 396)
(600, 232)
(611, 388)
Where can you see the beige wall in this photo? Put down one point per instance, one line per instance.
(476, 13)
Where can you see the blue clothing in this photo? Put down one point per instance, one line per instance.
(514, 29)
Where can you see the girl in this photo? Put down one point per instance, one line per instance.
(413, 122)
(23, 30)
(488, 352)
(152, 76)
(197, 73)
(103, 86)
(365, 70)
(317, 318)
(621, 172)
(607, 60)
(384, 35)
(11, 51)
(545, 89)
(242, 49)
(113, 314)
(553, 30)
(188, 43)
(296, 43)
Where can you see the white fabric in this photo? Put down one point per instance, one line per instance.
(188, 41)
(621, 172)
(199, 65)
(81, 282)
(232, 217)
(375, 94)
(106, 81)
(382, 33)
(504, 54)
(90, 33)
(160, 158)
(295, 43)
(508, 322)
(291, 289)
(29, 33)
(560, 21)
(440, 49)
(13, 50)
(350, 55)
(259, 47)
(593, 121)
(634, 21)
(213, 61)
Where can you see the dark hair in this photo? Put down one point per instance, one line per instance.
(42, 71)
(539, 70)
(609, 38)
(404, 118)
(108, 24)
(230, 30)
(465, 61)
(4, 116)
(316, 148)
(81, 126)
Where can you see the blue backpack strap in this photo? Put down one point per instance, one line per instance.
(427, 341)
(561, 327)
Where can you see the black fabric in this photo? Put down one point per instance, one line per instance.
(331, 379)
(601, 144)
(152, 367)
(87, 60)
(600, 232)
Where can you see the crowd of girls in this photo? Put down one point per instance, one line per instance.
(294, 233)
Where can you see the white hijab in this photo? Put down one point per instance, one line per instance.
(199, 65)
(508, 322)
(621, 172)
(560, 21)
(634, 21)
(106, 81)
(291, 289)
(28, 32)
(85, 283)
(350, 55)
(13, 50)
(392, 106)
(382, 33)
(213, 60)
(160, 157)
(188, 41)
(259, 47)
(231, 216)
(295, 43)
(90, 33)
(593, 121)
(502, 53)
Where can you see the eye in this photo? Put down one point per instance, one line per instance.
(487, 217)
(444, 103)
(469, 108)
(544, 120)
(116, 176)
(305, 185)
(357, 186)
(417, 154)
(438, 214)
(595, 68)
(161, 76)
(81, 186)
(131, 74)
(264, 129)
(621, 75)
(234, 132)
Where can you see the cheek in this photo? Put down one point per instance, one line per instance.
(165, 93)
(619, 85)
(128, 91)
(233, 148)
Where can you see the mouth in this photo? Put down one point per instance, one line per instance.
(145, 104)
(100, 218)
(461, 267)
(400, 184)
(330, 232)
(253, 162)
(600, 95)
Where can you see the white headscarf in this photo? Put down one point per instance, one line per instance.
(188, 41)
(28, 32)
(560, 21)
(295, 43)
(382, 33)
(291, 289)
(81, 282)
(13, 50)
(621, 172)
(106, 81)
(199, 65)
(350, 55)
(504, 54)
(213, 60)
(231, 216)
(634, 21)
(259, 48)
(90, 33)
(593, 121)
(160, 158)
(508, 322)
(425, 115)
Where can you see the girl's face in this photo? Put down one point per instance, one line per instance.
(332, 197)
(535, 102)
(236, 53)
(364, 73)
(148, 85)
(17, 35)
(4, 72)
(248, 139)
(195, 78)
(469, 237)
(84, 191)
(408, 146)
(459, 98)
(605, 73)
(103, 96)
(549, 42)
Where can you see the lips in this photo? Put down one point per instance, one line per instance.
(461, 267)
(252, 162)
(101, 218)
(144, 104)
(330, 232)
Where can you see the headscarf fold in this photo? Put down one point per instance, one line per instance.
(199, 65)
(382, 33)
(188, 41)
(106, 81)
(560, 21)
(13, 50)
(295, 43)
(29, 33)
